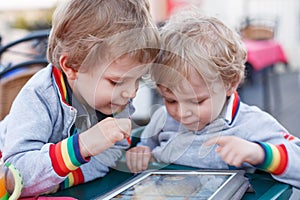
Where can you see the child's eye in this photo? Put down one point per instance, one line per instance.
(116, 82)
(197, 102)
(170, 101)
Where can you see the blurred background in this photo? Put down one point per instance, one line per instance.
(18, 17)
(273, 86)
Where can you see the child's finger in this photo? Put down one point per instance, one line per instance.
(137, 158)
(146, 158)
(124, 124)
(130, 160)
(139, 161)
(219, 140)
(211, 141)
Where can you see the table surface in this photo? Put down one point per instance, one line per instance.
(264, 185)
(264, 53)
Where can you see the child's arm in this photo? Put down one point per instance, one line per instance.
(74, 151)
(138, 158)
(281, 160)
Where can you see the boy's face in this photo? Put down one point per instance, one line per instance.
(109, 90)
(194, 105)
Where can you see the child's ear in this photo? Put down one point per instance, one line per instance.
(70, 72)
(231, 89)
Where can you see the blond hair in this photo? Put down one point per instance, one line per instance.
(90, 30)
(191, 39)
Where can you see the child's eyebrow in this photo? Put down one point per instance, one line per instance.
(185, 97)
(117, 76)
(198, 97)
(167, 93)
(123, 76)
(112, 76)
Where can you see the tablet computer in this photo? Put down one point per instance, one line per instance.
(182, 184)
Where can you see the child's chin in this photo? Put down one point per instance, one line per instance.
(117, 108)
(106, 111)
(194, 127)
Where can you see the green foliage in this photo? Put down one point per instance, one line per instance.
(34, 20)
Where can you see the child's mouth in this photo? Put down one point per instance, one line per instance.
(116, 107)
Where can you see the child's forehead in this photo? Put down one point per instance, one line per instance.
(195, 86)
(193, 79)
(125, 67)
(124, 63)
(188, 93)
(186, 87)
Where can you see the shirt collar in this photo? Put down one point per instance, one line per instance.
(60, 83)
(232, 108)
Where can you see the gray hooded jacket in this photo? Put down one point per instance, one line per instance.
(39, 120)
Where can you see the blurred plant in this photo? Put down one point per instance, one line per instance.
(34, 20)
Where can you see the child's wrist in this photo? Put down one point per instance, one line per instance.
(83, 147)
(265, 161)
(259, 156)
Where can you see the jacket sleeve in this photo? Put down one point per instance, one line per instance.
(150, 135)
(34, 139)
(282, 149)
(282, 160)
(28, 137)
(67, 161)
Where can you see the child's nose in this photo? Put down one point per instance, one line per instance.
(184, 112)
(129, 93)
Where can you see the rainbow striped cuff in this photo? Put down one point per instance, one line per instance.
(66, 156)
(3, 194)
(73, 178)
(276, 158)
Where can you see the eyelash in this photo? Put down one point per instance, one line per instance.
(198, 102)
(171, 101)
(115, 82)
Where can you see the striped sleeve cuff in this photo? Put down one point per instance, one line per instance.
(73, 178)
(66, 156)
(276, 158)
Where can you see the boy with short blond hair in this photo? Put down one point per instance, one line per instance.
(72, 116)
(203, 123)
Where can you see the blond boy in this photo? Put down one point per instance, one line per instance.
(61, 130)
(204, 124)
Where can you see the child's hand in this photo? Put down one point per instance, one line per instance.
(104, 135)
(234, 150)
(138, 158)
